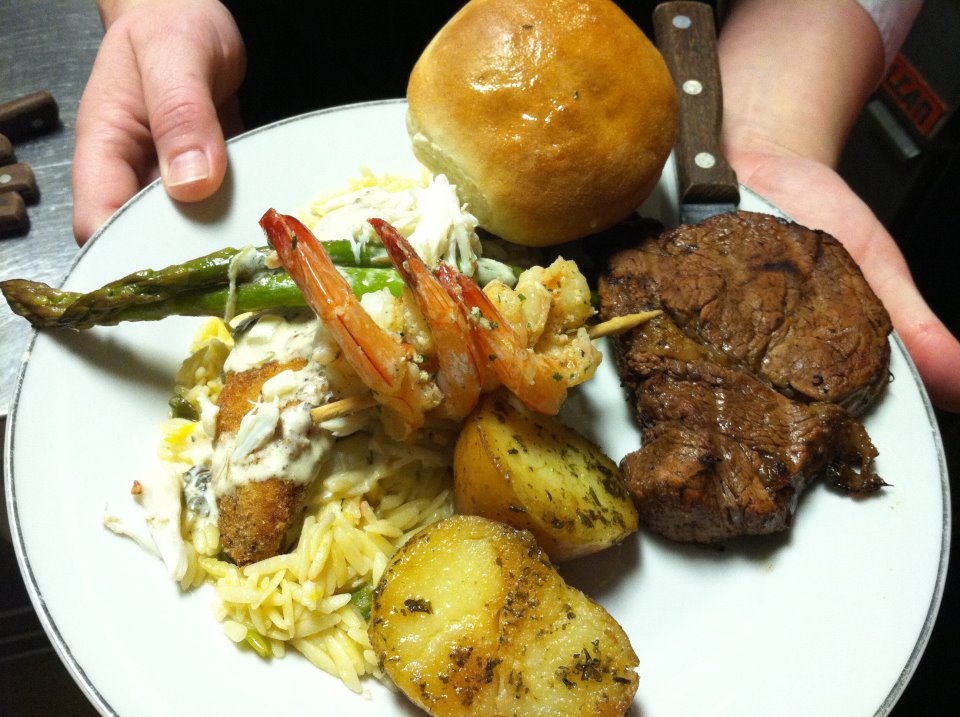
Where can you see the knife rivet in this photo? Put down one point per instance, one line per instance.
(704, 160)
(692, 87)
(681, 22)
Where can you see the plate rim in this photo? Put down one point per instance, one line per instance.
(99, 701)
(77, 672)
(933, 609)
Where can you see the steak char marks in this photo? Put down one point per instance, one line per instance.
(744, 386)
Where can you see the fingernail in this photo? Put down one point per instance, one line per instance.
(191, 166)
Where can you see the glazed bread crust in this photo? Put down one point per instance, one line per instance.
(553, 117)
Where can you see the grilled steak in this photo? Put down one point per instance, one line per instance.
(786, 303)
(768, 331)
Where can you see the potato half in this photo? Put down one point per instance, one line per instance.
(531, 471)
(470, 618)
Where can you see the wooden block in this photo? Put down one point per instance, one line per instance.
(28, 116)
(13, 214)
(6, 151)
(19, 178)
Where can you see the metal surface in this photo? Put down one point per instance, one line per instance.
(44, 45)
(48, 45)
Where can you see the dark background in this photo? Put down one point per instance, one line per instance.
(908, 171)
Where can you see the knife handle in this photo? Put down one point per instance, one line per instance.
(686, 37)
(19, 178)
(6, 151)
(29, 116)
(13, 215)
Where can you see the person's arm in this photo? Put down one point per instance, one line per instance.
(796, 74)
(795, 77)
(160, 97)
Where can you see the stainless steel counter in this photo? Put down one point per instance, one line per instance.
(47, 45)
(44, 45)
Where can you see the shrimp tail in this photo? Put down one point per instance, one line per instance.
(447, 277)
(537, 380)
(383, 363)
(457, 375)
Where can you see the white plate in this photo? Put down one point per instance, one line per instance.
(828, 619)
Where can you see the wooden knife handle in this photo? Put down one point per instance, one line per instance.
(686, 37)
(6, 151)
(19, 178)
(13, 215)
(29, 116)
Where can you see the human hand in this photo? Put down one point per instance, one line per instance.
(160, 98)
(795, 79)
(814, 195)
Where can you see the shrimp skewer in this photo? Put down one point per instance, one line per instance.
(536, 379)
(477, 349)
(447, 276)
(382, 362)
(457, 377)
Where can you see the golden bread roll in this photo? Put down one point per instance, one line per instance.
(553, 117)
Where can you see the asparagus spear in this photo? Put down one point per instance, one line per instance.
(200, 287)
(151, 285)
(46, 307)
(152, 294)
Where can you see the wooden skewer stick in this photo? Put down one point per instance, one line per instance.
(343, 407)
(619, 324)
(346, 406)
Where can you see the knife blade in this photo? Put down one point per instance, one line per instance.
(686, 37)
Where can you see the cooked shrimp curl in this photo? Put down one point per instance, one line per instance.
(537, 355)
(549, 308)
(457, 374)
(387, 365)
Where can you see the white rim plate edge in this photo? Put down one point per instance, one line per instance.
(47, 592)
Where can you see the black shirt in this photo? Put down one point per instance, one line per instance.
(305, 55)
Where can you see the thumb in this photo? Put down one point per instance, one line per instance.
(188, 137)
(183, 83)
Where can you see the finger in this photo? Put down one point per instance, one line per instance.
(934, 350)
(189, 141)
(114, 152)
(178, 89)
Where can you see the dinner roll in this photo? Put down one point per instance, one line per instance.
(553, 117)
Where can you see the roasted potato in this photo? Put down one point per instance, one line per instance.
(530, 471)
(470, 618)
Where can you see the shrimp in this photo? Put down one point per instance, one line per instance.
(447, 276)
(536, 379)
(475, 348)
(457, 374)
(556, 307)
(384, 363)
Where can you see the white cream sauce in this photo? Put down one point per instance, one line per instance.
(247, 262)
(278, 438)
(272, 338)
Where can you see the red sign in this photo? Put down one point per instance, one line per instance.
(911, 94)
